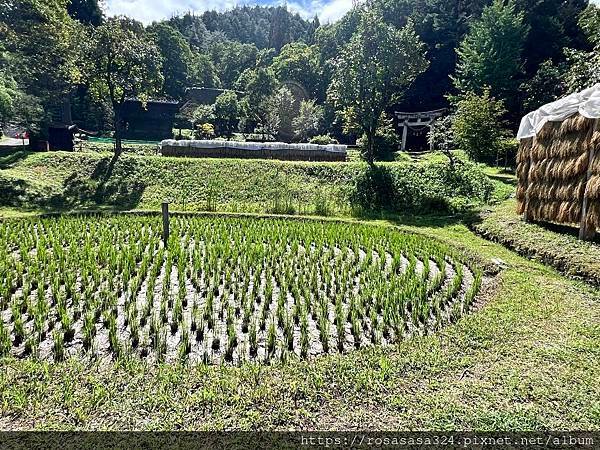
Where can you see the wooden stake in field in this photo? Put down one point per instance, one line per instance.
(165, 216)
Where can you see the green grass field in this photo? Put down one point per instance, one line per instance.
(525, 358)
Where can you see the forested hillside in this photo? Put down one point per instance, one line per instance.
(297, 79)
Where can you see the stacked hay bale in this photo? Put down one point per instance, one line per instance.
(258, 150)
(559, 174)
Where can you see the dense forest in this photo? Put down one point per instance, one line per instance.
(490, 62)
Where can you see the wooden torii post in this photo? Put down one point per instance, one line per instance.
(412, 120)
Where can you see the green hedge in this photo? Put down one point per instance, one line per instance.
(428, 186)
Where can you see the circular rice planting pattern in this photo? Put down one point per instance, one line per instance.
(225, 290)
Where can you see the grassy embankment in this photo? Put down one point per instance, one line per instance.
(528, 359)
(67, 181)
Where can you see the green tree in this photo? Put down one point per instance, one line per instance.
(178, 59)
(203, 72)
(227, 111)
(372, 71)
(491, 53)
(280, 28)
(278, 115)
(441, 25)
(478, 127)
(203, 114)
(300, 62)
(231, 59)
(122, 62)
(8, 92)
(547, 85)
(40, 42)
(283, 103)
(441, 137)
(258, 84)
(308, 122)
(552, 27)
(583, 65)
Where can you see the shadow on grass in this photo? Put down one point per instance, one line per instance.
(429, 220)
(380, 194)
(98, 187)
(10, 158)
(12, 192)
(103, 187)
(564, 229)
(508, 180)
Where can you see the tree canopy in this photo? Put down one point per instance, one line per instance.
(347, 76)
(490, 56)
(122, 62)
(372, 71)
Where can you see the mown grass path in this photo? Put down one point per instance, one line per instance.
(528, 359)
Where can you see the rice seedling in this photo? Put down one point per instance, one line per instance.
(58, 346)
(304, 337)
(89, 331)
(253, 340)
(271, 339)
(31, 346)
(236, 287)
(185, 346)
(5, 343)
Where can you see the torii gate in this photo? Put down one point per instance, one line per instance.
(417, 120)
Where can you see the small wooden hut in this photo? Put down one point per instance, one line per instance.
(558, 163)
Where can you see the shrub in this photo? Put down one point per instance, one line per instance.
(478, 127)
(386, 141)
(433, 185)
(323, 139)
(308, 121)
(204, 131)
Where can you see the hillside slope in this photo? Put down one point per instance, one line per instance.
(61, 180)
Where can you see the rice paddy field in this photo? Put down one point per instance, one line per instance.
(224, 290)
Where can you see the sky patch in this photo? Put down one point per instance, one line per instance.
(148, 11)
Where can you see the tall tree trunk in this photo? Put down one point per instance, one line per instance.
(118, 128)
(370, 156)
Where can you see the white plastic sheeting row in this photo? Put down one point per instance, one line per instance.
(254, 146)
(586, 103)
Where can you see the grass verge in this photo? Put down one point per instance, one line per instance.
(555, 245)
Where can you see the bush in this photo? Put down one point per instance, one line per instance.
(432, 186)
(323, 139)
(507, 158)
(204, 131)
(478, 127)
(386, 142)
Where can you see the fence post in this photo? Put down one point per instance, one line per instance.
(165, 217)
(587, 232)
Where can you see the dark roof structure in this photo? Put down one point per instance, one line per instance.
(151, 120)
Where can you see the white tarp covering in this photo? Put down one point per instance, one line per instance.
(586, 103)
(254, 146)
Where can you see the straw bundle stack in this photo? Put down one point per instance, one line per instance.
(559, 173)
(257, 150)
